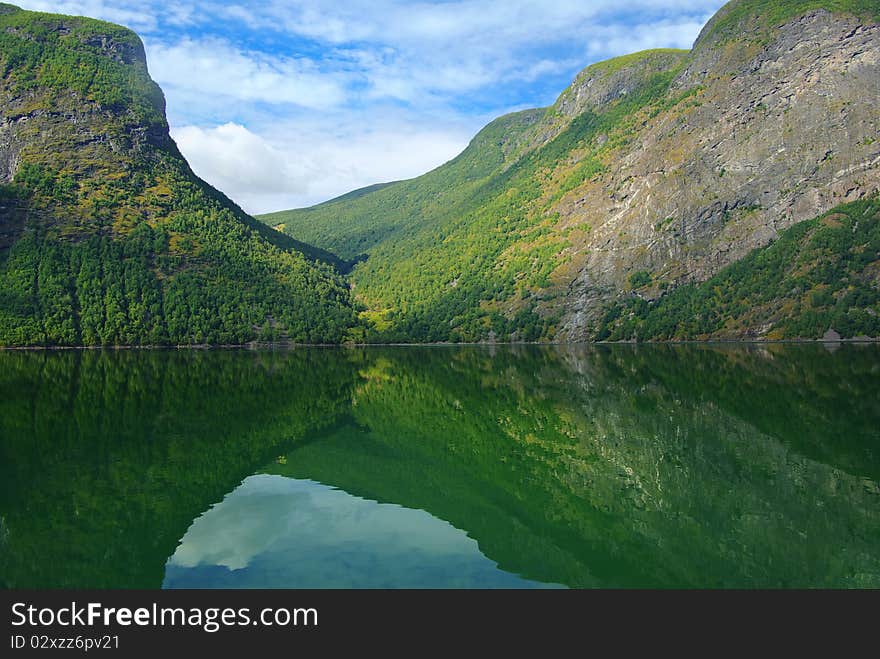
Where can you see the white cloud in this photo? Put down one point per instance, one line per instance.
(138, 16)
(298, 164)
(462, 23)
(409, 51)
(273, 531)
(208, 70)
(621, 40)
(237, 160)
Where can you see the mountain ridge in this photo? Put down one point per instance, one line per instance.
(650, 172)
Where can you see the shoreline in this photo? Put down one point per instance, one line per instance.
(292, 346)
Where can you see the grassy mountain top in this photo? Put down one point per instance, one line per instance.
(354, 194)
(615, 64)
(100, 62)
(763, 15)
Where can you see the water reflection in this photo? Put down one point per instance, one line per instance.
(279, 532)
(688, 466)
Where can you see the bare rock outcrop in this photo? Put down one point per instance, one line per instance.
(775, 131)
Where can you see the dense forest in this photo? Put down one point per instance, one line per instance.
(199, 276)
(106, 235)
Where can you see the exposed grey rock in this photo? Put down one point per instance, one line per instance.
(779, 131)
(831, 336)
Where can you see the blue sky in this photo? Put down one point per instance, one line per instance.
(285, 103)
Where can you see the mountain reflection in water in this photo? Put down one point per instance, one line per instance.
(612, 466)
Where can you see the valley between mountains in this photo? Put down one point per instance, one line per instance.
(726, 192)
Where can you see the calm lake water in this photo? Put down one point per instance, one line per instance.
(484, 467)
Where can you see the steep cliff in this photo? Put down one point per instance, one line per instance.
(781, 126)
(106, 235)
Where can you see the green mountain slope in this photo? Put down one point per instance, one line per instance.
(353, 224)
(106, 235)
(763, 15)
(651, 172)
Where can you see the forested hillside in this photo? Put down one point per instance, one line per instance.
(106, 235)
(352, 225)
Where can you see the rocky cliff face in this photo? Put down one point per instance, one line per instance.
(598, 87)
(776, 131)
(76, 98)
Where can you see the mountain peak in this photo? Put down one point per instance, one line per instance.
(754, 18)
(606, 81)
(59, 55)
(106, 235)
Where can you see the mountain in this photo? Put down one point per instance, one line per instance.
(654, 179)
(106, 235)
(353, 224)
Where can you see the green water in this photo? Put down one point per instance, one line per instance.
(607, 466)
